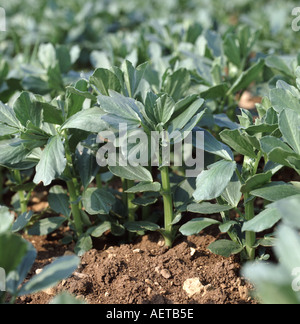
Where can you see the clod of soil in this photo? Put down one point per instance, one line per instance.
(147, 273)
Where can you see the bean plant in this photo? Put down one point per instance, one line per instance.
(18, 257)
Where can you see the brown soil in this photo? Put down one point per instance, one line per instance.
(145, 272)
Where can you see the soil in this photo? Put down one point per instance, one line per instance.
(145, 272)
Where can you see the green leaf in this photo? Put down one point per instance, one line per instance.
(177, 84)
(133, 77)
(164, 109)
(98, 201)
(141, 226)
(231, 50)
(218, 91)
(59, 201)
(87, 165)
(247, 77)
(232, 193)
(145, 187)
(83, 245)
(144, 201)
(13, 253)
(212, 183)
(289, 125)
(84, 94)
(182, 120)
(225, 248)
(288, 208)
(52, 163)
(277, 63)
(282, 99)
(47, 55)
(236, 140)
(8, 116)
(272, 283)
(51, 114)
(46, 226)
(276, 191)
(269, 143)
(89, 120)
(138, 173)
(65, 298)
(263, 221)
(52, 274)
(12, 151)
(16, 278)
(207, 208)
(213, 146)
(287, 248)
(105, 80)
(6, 219)
(256, 181)
(195, 226)
(120, 106)
(74, 100)
(22, 221)
(27, 109)
(99, 230)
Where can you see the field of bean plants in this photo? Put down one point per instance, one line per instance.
(149, 152)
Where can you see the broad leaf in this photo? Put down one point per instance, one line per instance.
(236, 140)
(98, 201)
(212, 183)
(195, 226)
(289, 124)
(129, 172)
(13, 249)
(52, 163)
(256, 181)
(28, 110)
(207, 208)
(52, 274)
(89, 120)
(46, 226)
(263, 221)
(225, 248)
(145, 187)
(59, 201)
(276, 191)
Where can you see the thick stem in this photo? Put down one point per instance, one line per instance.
(250, 237)
(73, 189)
(99, 181)
(168, 206)
(75, 207)
(130, 205)
(23, 201)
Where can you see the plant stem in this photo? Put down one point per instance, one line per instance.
(130, 205)
(72, 185)
(99, 181)
(168, 206)
(250, 237)
(23, 202)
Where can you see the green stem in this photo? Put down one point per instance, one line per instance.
(168, 206)
(23, 201)
(99, 181)
(73, 189)
(130, 205)
(250, 237)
